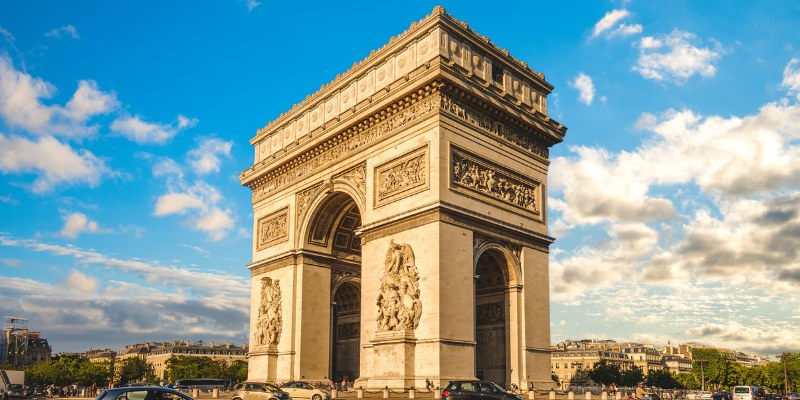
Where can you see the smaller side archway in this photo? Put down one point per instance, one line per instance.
(345, 329)
(496, 271)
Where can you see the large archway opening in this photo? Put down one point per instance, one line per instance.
(332, 231)
(491, 317)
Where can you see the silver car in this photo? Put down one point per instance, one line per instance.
(304, 390)
(258, 391)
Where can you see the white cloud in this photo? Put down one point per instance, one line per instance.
(185, 122)
(21, 105)
(148, 299)
(216, 223)
(53, 162)
(791, 77)
(80, 281)
(178, 203)
(583, 83)
(206, 157)
(7, 35)
(201, 205)
(252, 4)
(76, 223)
(67, 30)
(608, 21)
(608, 25)
(676, 57)
(142, 132)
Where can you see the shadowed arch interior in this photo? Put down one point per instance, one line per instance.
(338, 217)
(491, 305)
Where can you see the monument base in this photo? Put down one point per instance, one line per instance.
(263, 364)
(394, 360)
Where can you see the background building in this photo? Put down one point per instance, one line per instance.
(20, 346)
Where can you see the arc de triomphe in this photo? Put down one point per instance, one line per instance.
(400, 220)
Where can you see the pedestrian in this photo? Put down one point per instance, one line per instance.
(428, 384)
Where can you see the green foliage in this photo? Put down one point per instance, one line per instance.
(605, 373)
(135, 369)
(237, 371)
(191, 367)
(661, 378)
(688, 380)
(632, 377)
(66, 370)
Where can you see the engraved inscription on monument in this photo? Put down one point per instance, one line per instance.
(270, 322)
(402, 177)
(484, 177)
(399, 307)
(273, 228)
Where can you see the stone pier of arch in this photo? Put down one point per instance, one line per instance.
(400, 220)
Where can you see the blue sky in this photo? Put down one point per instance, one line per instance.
(675, 198)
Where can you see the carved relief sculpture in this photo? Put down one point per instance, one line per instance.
(402, 177)
(270, 322)
(399, 307)
(273, 228)
(483, 177)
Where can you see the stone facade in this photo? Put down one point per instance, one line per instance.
(402, 209)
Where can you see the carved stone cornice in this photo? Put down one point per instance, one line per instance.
(435, 98)
(303, 257)
(449, 42)
(513, 237)
(410, 110)
(437, 47)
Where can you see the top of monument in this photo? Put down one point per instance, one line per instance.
(378, 55)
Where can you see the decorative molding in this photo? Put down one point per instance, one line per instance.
(437, 34)
(273, 228)
(514, 237)
(303, 200)
(490, 313)
(492, 126)
(478, 175)
(270, 322)
(403, 176)
(399, 307)
(357, 177)
(410, 110)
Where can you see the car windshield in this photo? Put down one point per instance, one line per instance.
(741, 390)
(270, 387)
(14, 386)
(497, 387)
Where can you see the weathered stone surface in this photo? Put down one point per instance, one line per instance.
(401, 213)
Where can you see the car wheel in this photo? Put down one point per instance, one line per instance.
(316, 397)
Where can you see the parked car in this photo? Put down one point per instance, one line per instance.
(476, 390)
(258, 391)
(704, 395)
(304, 390)
(142, 393)
(722, 395)
(792, 396)
(15, 390)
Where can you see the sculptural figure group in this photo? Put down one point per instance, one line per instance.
(270, 322)
(399, 306)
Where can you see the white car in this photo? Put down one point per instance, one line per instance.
(705, 395)
(304, 390)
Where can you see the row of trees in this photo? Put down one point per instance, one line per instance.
(710, 370)
(71, 369)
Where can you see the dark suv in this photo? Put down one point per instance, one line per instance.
(476, 390)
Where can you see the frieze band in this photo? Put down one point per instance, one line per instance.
(390, 120)
(484, 177)
(402, 177)
(273, 228)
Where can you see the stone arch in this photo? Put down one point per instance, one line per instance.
(513, 270)
(496, 314)
(312, 202)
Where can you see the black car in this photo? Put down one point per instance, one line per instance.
(142, 393)
(476, 390)
(722, 395)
